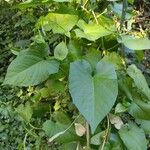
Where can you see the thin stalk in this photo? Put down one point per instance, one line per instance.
(123, 16)
(87, 135)
(95, 17)
(24, 141)
(106, 135)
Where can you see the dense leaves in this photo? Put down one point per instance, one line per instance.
(82, 68)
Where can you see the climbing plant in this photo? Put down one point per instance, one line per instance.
(77, 67)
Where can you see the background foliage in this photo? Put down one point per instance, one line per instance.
(79, 75)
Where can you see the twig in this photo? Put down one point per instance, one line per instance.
(123, 16)
(106, 135)
(24, 141)
(87, 135)
(95, 17)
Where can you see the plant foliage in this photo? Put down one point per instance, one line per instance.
(73, 61)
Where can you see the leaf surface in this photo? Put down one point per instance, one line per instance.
(139, 80)
(133, 137)
(28, 70)
(136, 43)
(61, 51)
(95, 93)
(91, 31)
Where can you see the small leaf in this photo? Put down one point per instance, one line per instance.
(97, 139)
(115, 59)
(93, 56)
(136, 43)
(133, 137)
(61, 51)
(44, 92)
(25, 112)
(80, 129)
(116, 121)
(120, 108)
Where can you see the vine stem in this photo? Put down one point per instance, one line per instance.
(106, 135)
(87, 135)
(123, 16)
(95, 17)
(24, 141)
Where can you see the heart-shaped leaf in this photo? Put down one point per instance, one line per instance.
(29, 69)
(95, 95)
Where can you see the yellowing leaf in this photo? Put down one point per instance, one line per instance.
(80, 129)
(116, 121)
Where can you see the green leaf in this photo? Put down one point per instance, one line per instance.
(133, 137)
(91, 31)
(120, 108)
(51, 129)
(25, 112)
(145, 125)
(31, 3)
(139, 80)
(61, 51)
(58, 23)
(39, 49)
(115, 59)
(28, 69)
(75, 49)
(116, 143)
(95, 93)
(45, 93)
(68, 146)
(55, 87)
(136, 43)
(93, 56)
(138, 112)
(62, 1)
(97, 138)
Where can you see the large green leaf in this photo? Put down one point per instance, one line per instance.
(133, 137)
(136, 43)
(139, 80)
(58, 23)
(91, 31)
(95, 95)
(28, 69)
